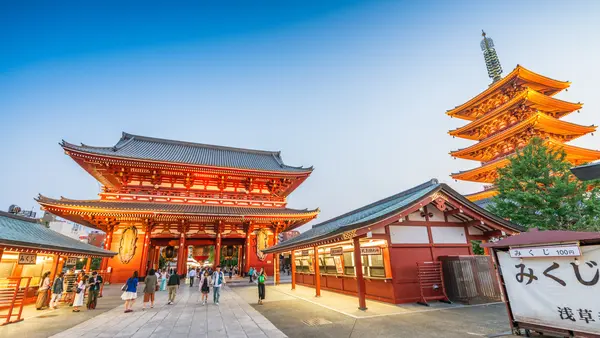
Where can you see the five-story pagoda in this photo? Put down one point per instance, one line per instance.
(163, 193)
(505, 116)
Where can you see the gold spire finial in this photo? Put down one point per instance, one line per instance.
(491, 58)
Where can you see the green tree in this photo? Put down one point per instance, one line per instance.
(537, 189)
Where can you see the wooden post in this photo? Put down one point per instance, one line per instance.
(54, 270)
(1, 252)
(276, 272)
(247, 246)
(360, 281)
(145, 251)
(181, 258)
(317, 272)
(293, 264)
(156, 257)
(107, 246)
(239, 261)
(88, 264)
(218, 250)
(486, 251)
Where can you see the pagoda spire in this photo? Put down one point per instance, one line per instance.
(492, 62)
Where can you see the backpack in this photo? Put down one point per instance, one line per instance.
(261, 279)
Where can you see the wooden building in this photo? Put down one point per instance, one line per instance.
(29, 249)
(373, 251)
(507, 114)
(164, 193)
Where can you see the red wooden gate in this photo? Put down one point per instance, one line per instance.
(12, 298)
(431, 280)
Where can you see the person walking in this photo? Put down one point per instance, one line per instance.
(230, 272)
(218, 280)
(163, 280)
(151, 282)
(261, 286)
(42, 293)
(57, 290)
(251, 274)
(79, 293)
(173, 285)
(94, 283)
(130, 292)
(204, 286)
(192, 276)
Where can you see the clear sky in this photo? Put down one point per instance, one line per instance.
(356, 88)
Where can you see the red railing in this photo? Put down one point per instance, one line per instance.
(12, 298)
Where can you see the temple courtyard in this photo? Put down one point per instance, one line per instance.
(284, 313)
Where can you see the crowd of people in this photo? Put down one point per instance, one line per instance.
(71, 288)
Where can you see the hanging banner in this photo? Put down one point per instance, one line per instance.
(370, 251)
(71, 261)
(336, 251)
(338, 264)
(27, 258)
(558, 292)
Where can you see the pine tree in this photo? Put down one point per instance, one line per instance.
(537, 189)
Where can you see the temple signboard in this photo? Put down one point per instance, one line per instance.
(71, 261)
(559, 292)
(336, 251)
(546, 251)
(370, 251)
(27, 258)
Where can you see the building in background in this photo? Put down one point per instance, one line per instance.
(67, 228)
(284, 236)
(16, 210)
(505, 116)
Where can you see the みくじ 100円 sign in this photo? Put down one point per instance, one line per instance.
(554, 291)
(546, 251)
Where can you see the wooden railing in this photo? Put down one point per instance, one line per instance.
(13, 291)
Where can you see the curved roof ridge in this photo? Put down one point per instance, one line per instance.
(421, 186)
(127, 136)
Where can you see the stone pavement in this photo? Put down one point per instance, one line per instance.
(185, 318)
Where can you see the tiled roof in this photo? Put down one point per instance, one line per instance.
(587, 172)
(155, 149)
(364, 215)
(179, 208)
(374, 212)
(17, 231)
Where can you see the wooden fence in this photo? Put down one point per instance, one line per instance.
(471, 279)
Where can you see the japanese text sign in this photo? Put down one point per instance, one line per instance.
(559, 292)
(71, 261)
(546, 251)
(336, 251)
(27, 258)
(370, 251)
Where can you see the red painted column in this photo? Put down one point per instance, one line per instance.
(293, 263)
(218, 250)
(156, 257)
(107, 246)
(317, 272)
(145, 251)
(276, 272)
(181, 256)
(360, 281)
(247, 247)
(88, 264)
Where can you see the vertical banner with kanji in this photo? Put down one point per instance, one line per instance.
(560, 292)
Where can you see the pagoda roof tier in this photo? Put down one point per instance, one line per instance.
(527, 102)
(520, 76)
(77, 210)
(481, 195)
(538, 124)
(149, 149)
(487, 172)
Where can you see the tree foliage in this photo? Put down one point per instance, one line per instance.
(537, 189)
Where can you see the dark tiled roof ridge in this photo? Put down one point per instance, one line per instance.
(422, 186)
(62, 201)
(19, 217)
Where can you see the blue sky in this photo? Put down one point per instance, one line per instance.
(358, 89)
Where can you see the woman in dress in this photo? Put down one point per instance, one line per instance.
(163, 280)
(43, 291)
(130, 292)
(79, 293)
(204, 286)
(149, 288)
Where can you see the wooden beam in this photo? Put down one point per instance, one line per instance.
(453, 212)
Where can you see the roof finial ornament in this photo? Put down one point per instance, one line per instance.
(491, 58)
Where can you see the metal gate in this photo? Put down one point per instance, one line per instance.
(471, 279)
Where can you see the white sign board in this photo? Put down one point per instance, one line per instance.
(546, 251)
(558, 292)
(71, 261)
(27, 258)
(370, 251)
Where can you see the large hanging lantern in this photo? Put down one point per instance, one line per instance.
(229, 251)
(169, 252)
(200, 253)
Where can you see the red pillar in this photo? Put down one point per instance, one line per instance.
(239, 262)
(276, 272)
(107, 246)
(145, 251)
(156, 257)
(317, 272)
(218, 250)
(293, 263)
(88, 264)
(181, 255)
(247, 247)
(360, 281)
